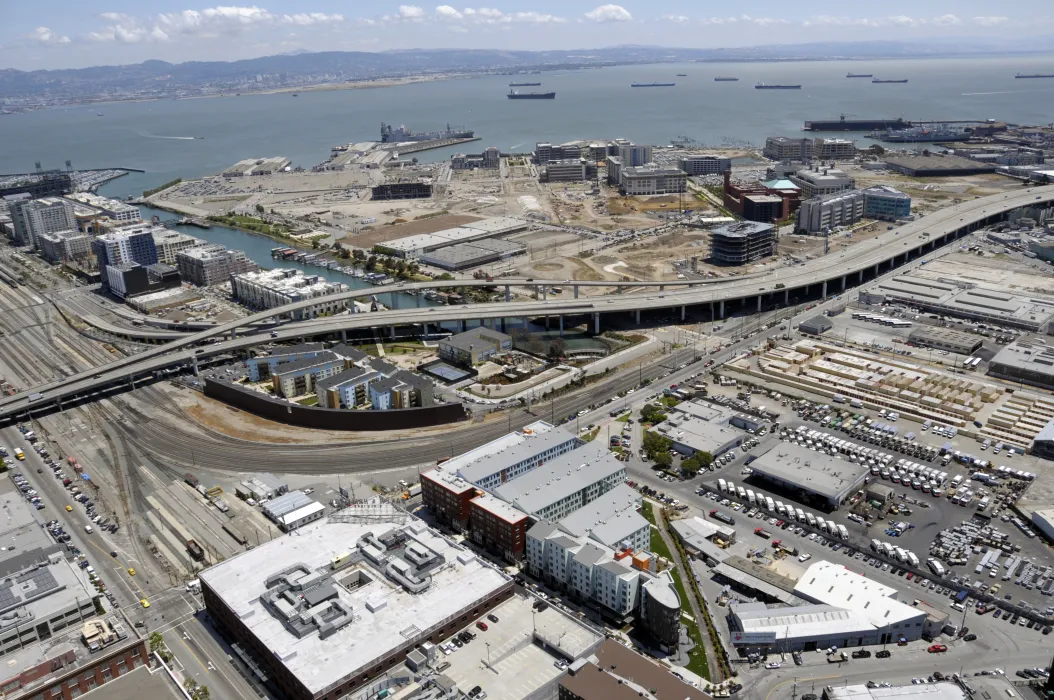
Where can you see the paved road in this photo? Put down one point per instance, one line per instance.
(917, 236)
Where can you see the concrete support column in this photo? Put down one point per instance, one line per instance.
(843, 281)
(508, 294)
(395, 300)
(546, 323)
(576, 291)
(662, 287)
(561, 324)
(503, 325)
(712, 311)
(825, 290)
(233, 334)
(417, 299)
(683, 308)
(344, 336)
(722, 309)
(194, 362)
(545, 293)
(876, 269)
(786, 297)
(619, 290)
(759, 303)
(392, 333)
(596, 323)
(462, 325)
(636, 317)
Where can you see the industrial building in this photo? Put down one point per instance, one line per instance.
(845, 609)
(817, 181)
(268, 289)
(946, 339)
(783, 148)
(646, 180)
(699, 534)
(702, 427)
(41, 593)
(968, 301)
(212, 264)
(705, 164)
(1026, 363)
(812, 477)
(466, 255)
(617, 672)
(345, 600)
(293, 509)
(474, 346)
(936, 166)
(925, 691)
(261, 487)
(817, 325)
(401, 189)
(742, 242)
(1043, 520)
(257, 166)
(413, 247)
(169, 243)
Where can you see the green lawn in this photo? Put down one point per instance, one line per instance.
(622, 419)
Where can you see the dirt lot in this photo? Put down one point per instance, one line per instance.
(618, 206)
(430, 224)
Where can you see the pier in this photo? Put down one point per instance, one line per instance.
(418, 146)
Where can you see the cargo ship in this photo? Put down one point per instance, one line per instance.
(524, 84)
(682, 75)
(920, 134)
(653, 84)
(513, 95)
(859, 75)
(1034, 75)
(725, 79)
(763, 86)
(843, 124)
(876, 80)
(401, 134)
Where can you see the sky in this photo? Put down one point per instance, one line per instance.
(79, 33)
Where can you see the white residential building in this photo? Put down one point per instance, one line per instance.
(272, 288)
(111, 208)
(170, 243)
(652, 180)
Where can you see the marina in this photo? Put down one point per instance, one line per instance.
(921, 134)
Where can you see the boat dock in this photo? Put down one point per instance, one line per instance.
(418, 146)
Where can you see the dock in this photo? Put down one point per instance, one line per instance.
(418, 146)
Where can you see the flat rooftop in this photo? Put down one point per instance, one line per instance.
(834, 584)
(507, 450)
(610, 519)
(938, 163)
(812, 471)
(386, 616)
(1026, 356)
(560, 477)
(927, 691)
(705, 428)
(799, 621)
(141, 683)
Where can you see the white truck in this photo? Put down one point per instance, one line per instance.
(936, 567)
(770, 504)
(842, 532)
(722, 485)
(799, 514)
(811, 518)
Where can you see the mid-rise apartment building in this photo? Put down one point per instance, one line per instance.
(260, 368)
(269, 289)
(634, 155)
(169, 244)
(498, 526)
(64, 246)
(298, 378)
(125, 246)
(705, 164)
(834, 149)
(212, 264)
(33, 217)
(113, 209)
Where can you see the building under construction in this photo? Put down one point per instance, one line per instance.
(406, 189)
(742, 242)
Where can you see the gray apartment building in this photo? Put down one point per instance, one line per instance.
(474, 346)
(212, 264)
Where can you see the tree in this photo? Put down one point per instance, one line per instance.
(697, 462)
(662, 459)
(259, 209)
(652, 414)
(557, 347)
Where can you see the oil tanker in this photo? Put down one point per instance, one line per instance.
(859, 75)
(1034, 75)
(513, 95)
(763, 86)
(843, 124)
(901, 80)
(653, 84)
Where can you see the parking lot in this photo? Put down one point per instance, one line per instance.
(505, 661)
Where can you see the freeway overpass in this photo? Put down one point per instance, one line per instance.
(816, 278)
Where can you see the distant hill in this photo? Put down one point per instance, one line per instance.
(160, 77)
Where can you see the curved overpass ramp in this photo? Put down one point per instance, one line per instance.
(888, 250)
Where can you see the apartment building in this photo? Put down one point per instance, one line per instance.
(64, 246)
(651, 180)
(498, 526)
(705, 164)
(260, 368)
(298, 378)
(169, 244)
(212, 264)
(268, 289)
(834, 149)
(33, 217)
(124, 246)
(783, 148)
(113, 209)
(400, 389)
(634, 155)
(826, 212)
(347, 389)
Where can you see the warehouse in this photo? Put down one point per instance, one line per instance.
(466, 255)
(945, 339)
(706, 428)
(327, 611)
(813, 477)
(1044, 522)
(411, 247)
(1026, 363)
(817, 325)
(293, 509)
(936, 166)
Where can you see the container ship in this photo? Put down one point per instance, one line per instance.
(843, 124)
(524, 84)
(653, 84)
(763, 86)
(514, 95)
(876, 80)
(859, 75)
(1034, 75)
(920, 134)
(400, 134)
(725, 79)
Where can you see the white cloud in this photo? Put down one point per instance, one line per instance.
(946, 20)
(43, 35)
(609, 13)
(491, 16)
(721, 20)
(222, 20)
(990, 21)
(768, 21)
(411, 12)
(676, 19)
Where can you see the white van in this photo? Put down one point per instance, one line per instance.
(88, 529)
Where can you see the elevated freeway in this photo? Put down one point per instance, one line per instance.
(813, 279)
